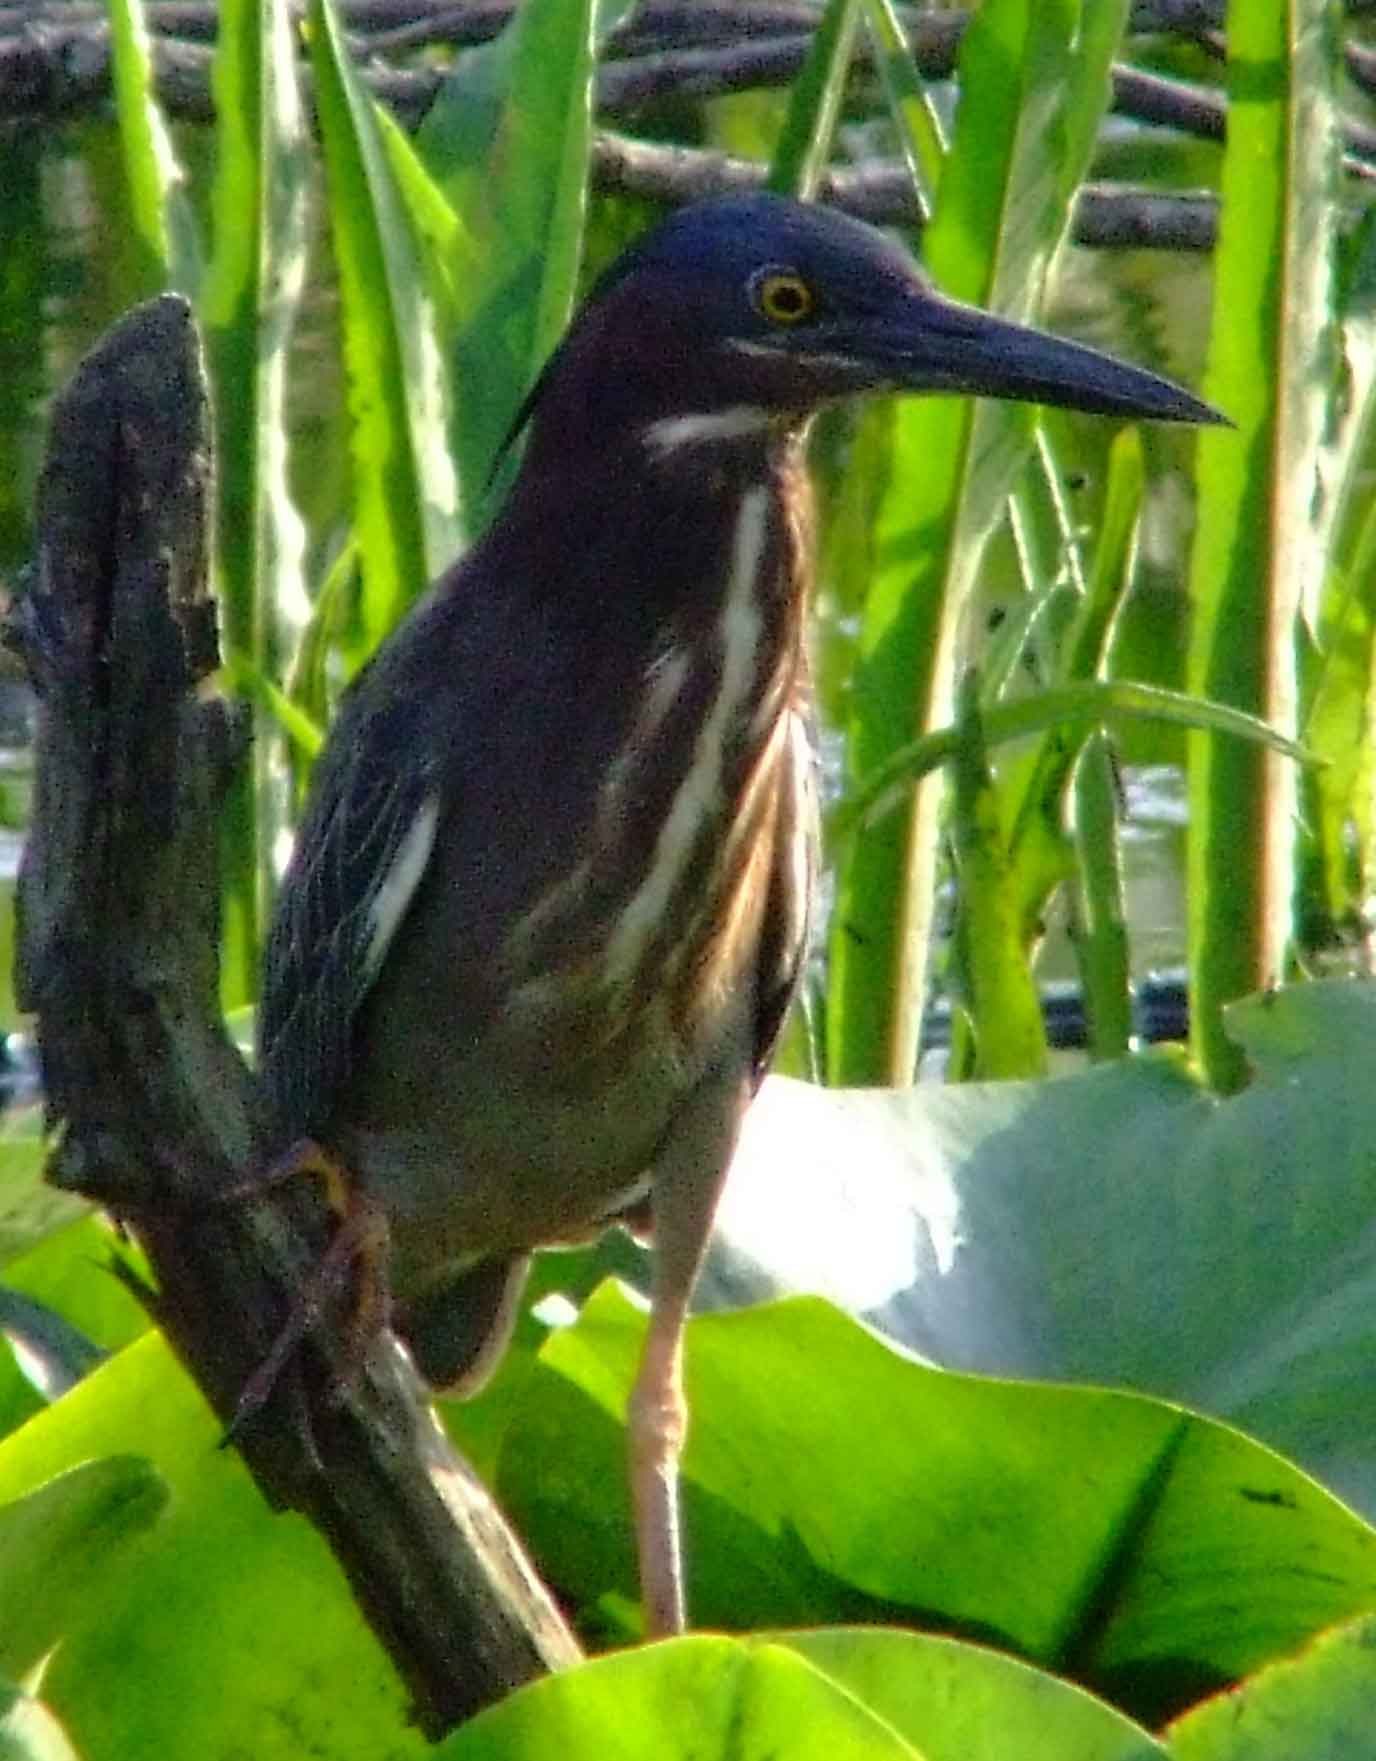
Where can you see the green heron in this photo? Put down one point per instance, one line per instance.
(550, 895)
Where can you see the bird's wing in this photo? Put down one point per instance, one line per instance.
(361, 852)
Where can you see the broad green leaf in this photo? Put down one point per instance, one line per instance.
(19, 1399)
(695, 1699)
(831, 1693)
(1314, 1707)
(65, 1547)
(239, 1617)
(1112, 1227)
(165, 242)
(1157, 1552)
(965, 1703)
(1257, 561)
(508, 139)
(405, 494)
(1001, 210)
(248, 306)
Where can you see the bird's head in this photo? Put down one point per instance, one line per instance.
(758, 305)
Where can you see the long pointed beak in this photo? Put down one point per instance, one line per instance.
(936, 344)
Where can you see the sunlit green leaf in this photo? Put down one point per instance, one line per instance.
(508, 139)
(814, 102)
(1315, 1707)
(708, 1699)
(224, 1627)
(965, 1703)
(405, 493)
(249, 303)
(167, 247)
(1157, 1553)
(65, 1546)
(1115, 1226)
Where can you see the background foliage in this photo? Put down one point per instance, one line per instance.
(1067, 1570)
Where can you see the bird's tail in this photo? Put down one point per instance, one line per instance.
(458, 1328)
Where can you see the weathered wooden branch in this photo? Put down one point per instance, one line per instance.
(158, 1116)
(881, 191)
(55, 59)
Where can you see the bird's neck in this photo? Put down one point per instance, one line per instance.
(672, 509)
(663, 584)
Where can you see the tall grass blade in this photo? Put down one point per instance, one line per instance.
(996, 988)
(814, 103)
(1258, 546)
(1337, 665)
(165, 244)
(1081, 704)
(1037, 791)
(1001, 211)
(921, 137)
(1098, 915)
(250, 296)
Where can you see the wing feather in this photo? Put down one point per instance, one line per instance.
(361, 852)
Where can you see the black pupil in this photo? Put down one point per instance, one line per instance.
(787, 299)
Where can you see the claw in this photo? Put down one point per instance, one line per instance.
(359, 1248)
(306, 1156)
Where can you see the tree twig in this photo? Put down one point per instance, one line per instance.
(117, 954)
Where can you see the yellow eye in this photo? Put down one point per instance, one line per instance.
(782, 296)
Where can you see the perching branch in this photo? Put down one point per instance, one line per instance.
(158, 1117)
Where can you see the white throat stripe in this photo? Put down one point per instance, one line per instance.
(670, 434)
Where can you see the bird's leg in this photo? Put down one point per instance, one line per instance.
(687, 1183)
(357, 1248)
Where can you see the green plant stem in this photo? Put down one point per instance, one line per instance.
(1098, 918)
